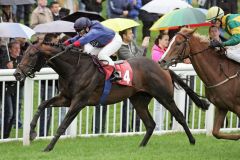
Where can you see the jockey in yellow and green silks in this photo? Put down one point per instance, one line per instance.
(231, 24)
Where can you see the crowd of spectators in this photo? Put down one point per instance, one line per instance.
(46, 11)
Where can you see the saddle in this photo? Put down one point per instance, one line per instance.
(122, 66)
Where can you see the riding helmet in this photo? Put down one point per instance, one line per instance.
(214, 13)
(82, 23)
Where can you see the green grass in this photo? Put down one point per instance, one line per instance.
(166, 147)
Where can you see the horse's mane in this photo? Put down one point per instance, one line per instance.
(202, 38)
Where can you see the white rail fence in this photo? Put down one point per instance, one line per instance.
(116, 119)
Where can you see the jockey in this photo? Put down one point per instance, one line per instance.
(231, 24)
(97, 40)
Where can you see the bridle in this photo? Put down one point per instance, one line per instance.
(33, 67)
(181, 55)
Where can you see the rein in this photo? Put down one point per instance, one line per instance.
(222, 82)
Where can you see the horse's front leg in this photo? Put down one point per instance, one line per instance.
(57, 101)
(219, 119)
(74, 109)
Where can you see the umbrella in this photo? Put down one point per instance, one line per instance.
(164, 6)
(16, 2)
(55, 27)
(203, 10)
(13, 30)
(91, 15)
(119, 24)
(181, 17)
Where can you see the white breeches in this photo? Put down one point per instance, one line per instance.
(105, 52)
(233, 52)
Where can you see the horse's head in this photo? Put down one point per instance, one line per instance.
(178, 49)
(33, 60)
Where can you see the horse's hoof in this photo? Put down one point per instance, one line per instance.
(192, 141)
(142, 145)
(47, 149)
(33, 135)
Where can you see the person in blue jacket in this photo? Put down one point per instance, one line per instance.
(97, 40)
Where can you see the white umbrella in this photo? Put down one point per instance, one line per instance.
(55, 27)
(164, 6)
(16, 2)
(12, 30)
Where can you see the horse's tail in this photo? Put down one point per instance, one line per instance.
(203, 104)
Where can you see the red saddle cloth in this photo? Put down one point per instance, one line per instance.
(125, 71)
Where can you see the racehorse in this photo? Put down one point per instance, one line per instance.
(81, 84)
(219, 74)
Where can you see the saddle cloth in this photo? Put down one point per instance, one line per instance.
(125, 71)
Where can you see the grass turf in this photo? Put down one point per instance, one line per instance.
(167, 147)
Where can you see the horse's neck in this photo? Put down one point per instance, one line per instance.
(207, 63)
(66, 64)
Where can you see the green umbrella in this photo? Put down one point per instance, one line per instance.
(180, 17)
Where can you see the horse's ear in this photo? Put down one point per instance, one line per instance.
(193, 30)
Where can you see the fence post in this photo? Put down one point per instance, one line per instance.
(72, 129)
(209, 120)
(179, 97)
(28, 109)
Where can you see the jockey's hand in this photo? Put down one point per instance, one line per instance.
(66, 43)
(215, 43)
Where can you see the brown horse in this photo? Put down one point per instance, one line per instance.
(81, 84)
(219, 74)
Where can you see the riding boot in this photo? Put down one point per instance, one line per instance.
(115, 76)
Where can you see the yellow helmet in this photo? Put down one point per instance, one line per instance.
(214, 13)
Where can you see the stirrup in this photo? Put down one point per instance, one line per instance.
(115, 76)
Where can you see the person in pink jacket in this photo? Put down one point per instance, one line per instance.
(160, 46)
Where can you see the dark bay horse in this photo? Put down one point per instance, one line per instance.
(219, 74)
(81, 84)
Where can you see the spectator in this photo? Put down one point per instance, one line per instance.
(46, 93)
(147, 19)
(98, 116)
(23, 44)
(11, 91)
(117, 8)
(41, 14)
(3, 59)
(160, 46)
(55, 8)
(57, 11)
(129, 49)
(228, 6)
(81, 5)
(93, 5)
(72, 5)
(23, 12)
(134, 12)
(7, 14)
(214, 34)
(189, 1)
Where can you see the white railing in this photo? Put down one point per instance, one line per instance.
(84, 124)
